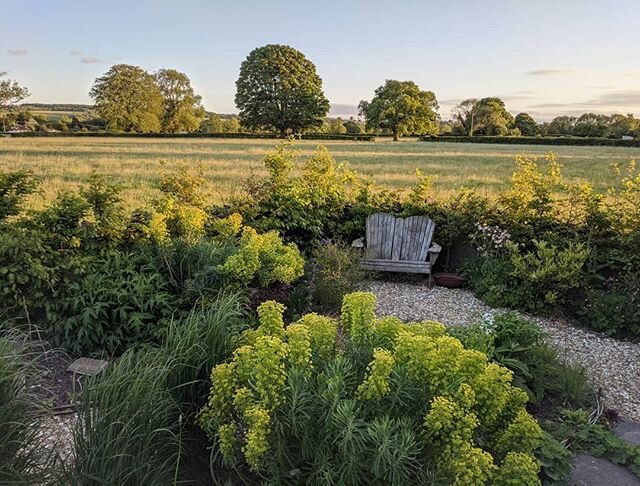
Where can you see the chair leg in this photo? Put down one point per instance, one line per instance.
(430, 280)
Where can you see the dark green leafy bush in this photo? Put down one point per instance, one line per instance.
(555, 461)
(337, 273)
(14, 188)
(122, 301)
(615, 309)
(193, 268)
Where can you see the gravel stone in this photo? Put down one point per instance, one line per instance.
(612, 365)
(57, 436)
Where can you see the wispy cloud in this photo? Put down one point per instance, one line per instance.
(86, 58)
(551, 72)
(92, 60)
(622, 99)
(17, 52)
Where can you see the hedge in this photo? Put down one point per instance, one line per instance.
(304, 136)
(609, 142)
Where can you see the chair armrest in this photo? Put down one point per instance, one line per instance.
(359, 243)
(434, 252)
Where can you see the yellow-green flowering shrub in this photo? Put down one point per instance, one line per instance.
(518, 469)
(265, 258)
(225, 228)
(367, 401)
(376, 382)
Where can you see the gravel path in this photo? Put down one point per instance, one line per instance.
(612, 365)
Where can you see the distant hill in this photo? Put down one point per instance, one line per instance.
(79, 108)
(66, 107)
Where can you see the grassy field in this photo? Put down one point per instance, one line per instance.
(64, 163)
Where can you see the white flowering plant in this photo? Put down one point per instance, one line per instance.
(491, 241)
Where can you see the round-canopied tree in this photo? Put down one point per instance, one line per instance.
(526, 124)
(183, 111)
(278, 89)
(492, 117)
(128, 99)
(401, 107)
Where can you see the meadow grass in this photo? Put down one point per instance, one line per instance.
(65, 163)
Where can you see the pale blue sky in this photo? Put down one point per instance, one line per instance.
(544, 56)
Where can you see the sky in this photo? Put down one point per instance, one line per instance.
(546, 57)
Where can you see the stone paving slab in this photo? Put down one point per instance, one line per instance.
(594, 471)
(629, 432)
(87, 366)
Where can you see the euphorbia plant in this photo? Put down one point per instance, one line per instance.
(367, 401)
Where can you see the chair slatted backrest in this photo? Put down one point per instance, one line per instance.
(391, 238)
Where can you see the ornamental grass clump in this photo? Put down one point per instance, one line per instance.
(364, 400)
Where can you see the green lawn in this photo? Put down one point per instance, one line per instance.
(66, 162)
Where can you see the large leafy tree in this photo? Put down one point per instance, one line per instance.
(591, 125)
(492, 117)
(486, 116)
(562, 125)
(402, 108)
(526, 124)
(183, 111)
(10, 94)
(620, 125)
(278, 89)
(128, 99)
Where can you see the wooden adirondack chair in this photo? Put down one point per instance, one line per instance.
(399, 244)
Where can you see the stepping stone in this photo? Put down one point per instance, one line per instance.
(87, 366)
(628, 432)
(595, 471)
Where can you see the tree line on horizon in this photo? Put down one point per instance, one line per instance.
(279, 91)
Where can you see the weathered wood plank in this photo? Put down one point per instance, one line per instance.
(396, 266)
(380, 230)
(425, 243)
(397, 239)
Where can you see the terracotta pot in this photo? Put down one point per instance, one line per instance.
(448, 280)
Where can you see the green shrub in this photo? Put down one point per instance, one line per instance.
(26, 276)
(614, 311)
(377, 402)
(14, 188)
(555, 461)
(193, 268)
(121, 302)
(263, 258)
(536, 281)
(337, 273)
(132, 418)
(305, 207)
(523, 348)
